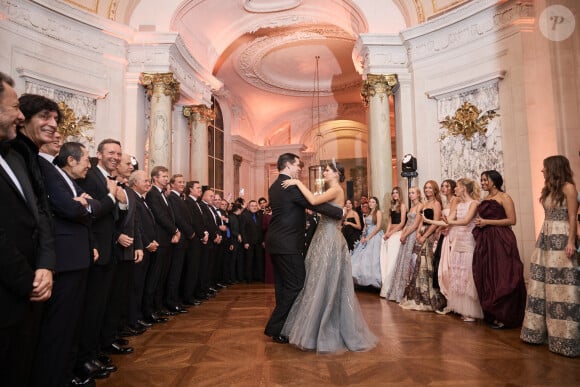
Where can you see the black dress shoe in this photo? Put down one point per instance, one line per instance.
(220, 285)
(89, 382)
(89, 370)
(105, 367)
(166, 313)
(129, 332)
(157, 319)
(144, 324)
(176, 309)
(280, 339)
(122, 341)
(106, 360)
(115, 349)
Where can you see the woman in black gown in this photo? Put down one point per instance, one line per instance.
(351, 226)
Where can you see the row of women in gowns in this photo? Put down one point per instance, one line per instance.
(426, 265)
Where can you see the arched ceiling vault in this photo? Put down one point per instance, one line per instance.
(264, 51)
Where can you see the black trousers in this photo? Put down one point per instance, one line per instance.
(135, 308)
(17, 347)
(172, 297)
(190, 276)
(254, 262)
(155, 280)
(116, 312)
(99, 281)
(203, 283)
(289, 274)
(56, 352)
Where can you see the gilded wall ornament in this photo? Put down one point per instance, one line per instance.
(467, 121)
(71, 126)
(160, 83)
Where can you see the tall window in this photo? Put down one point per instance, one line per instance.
(215, 152)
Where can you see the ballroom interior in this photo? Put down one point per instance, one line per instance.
(217, 89)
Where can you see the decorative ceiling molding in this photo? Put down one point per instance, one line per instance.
(379, 54)
(251, 62)
(466, 24)
(268, 6)
(66, 85)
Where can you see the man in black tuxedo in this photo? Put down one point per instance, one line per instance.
(196, 264)
(252, 242)
(285, 240)
(101, 185)
(71, 208)
(141, 184)
(214, 240)
(184, 223)
(167, 236)
(26, 261)
(127, 252)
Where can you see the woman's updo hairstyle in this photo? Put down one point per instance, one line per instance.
(337, 167)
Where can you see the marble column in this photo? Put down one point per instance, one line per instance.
(198, 117)
(237, 164)
(162, 92)
(376, 91)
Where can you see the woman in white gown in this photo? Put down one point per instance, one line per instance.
(392, 240)
(326, 315)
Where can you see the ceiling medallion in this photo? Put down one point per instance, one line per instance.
(267, 6)
(250, 65)
(467, 122)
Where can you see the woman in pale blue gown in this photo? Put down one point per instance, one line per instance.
(366, 256)
(326, 315)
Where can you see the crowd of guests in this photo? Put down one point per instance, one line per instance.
(451, 251)
(95, 250)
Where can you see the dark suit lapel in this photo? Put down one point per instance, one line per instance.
(9, 182)
(22, 175)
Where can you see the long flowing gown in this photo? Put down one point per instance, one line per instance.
(351, 234)
(498, 271)
(420, 293)
(326, 315)
(553, 304)
(405, 264)
(366, 258)
(444, 271)
(389, 252)
(462, 296)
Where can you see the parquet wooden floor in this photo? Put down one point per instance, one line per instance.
(220, 343)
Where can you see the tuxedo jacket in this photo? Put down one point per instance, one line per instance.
(22, 225)
(72, 221)
(146, 225)
(286, 230)
(95, 184)
(251, 231)
(197, 217)
(164, 219)
(128, 224)
(209, 219)
(182, 218)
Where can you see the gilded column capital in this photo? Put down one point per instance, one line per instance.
(198, 113)
(160, 83)
(381, 84)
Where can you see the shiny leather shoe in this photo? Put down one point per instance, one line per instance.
(280, 339)
(88, 382)
(144, 324)
(106, 360)
(122, 342)
(221, 285)
(166, 313)
(176, 309)
(157, 319)
(89, 370)
(115, 349)
(105, 367)
(129, 332)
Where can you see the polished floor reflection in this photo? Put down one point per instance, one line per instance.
(220, 343)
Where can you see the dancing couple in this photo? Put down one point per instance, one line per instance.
(316, 307)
